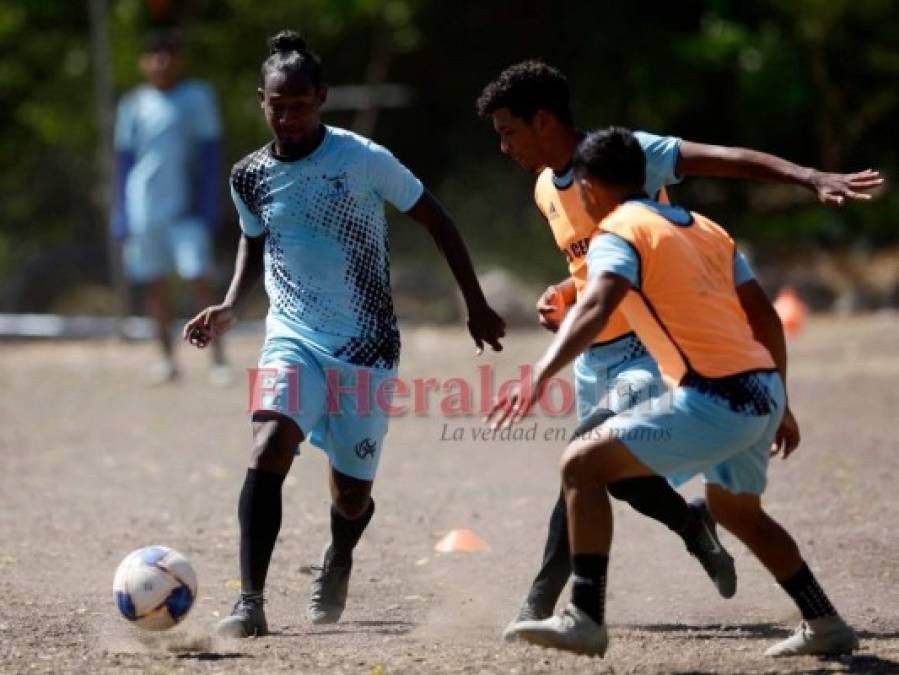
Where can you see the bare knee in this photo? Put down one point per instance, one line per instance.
(274, 444)
(573, 467)
(580, 465)
(599, 462)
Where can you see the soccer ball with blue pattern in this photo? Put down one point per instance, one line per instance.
(154, 587)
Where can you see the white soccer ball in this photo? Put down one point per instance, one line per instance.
(154, 587)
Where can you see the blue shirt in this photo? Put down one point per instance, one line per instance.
(327, 267)
(163, 132)
(661, 160)
(661, 154)
(610, 253)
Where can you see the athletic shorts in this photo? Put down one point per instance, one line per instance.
(720, 429)
(184, 247)
(340, 407)
(615, 377)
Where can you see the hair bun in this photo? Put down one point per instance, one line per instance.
(287, 41)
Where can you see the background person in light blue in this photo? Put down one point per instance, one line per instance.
(166, 191)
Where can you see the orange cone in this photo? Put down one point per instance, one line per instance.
(791, 310)
(464, 540)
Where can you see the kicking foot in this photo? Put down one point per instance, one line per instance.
(329, 590)
(536, 607)
(247, 619)
(710, 553)
(572, 631)
(829, 635)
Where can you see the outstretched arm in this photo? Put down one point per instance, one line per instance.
(484, 324)
(699, 159)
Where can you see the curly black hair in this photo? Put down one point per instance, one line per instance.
(612, 156)
(524, 89)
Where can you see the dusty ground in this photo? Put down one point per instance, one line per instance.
(95, 464)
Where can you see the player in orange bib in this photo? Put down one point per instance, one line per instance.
(720, 346)
(528, 104)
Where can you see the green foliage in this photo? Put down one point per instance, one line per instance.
(812, 80)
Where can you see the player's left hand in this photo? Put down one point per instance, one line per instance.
(836, 188)
(485, 325)
(551, 309)
(513, 404)
(787, 437)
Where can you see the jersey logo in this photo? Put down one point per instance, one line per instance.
(366, 448)
(337, 186)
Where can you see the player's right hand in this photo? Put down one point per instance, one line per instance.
(512, 405)
(787, 438)
(211, 323)
(551, 309)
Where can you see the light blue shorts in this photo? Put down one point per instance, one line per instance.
(184, 247)
(615, 377)
(340, 407)
(690, 431)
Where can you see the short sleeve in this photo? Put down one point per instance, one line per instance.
(661, 154)
(742, 271)
(207, 121)
(249, 222)
(610, 253)
(123, 138)
(391, 180)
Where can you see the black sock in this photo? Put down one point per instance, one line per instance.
(259, 513)
(556, 567)
(654, 497)
(588, 591)
(345, 534)
(808, 595)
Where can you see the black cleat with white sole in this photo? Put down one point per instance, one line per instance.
(247, 619)
(711, 554)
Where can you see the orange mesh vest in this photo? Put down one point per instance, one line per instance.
(686, 310)
(573, 228)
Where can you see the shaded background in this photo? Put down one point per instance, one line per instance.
(811, 80)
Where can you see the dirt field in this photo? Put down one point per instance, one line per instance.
(95, 464)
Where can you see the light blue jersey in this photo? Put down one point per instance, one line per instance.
(162, 133)
(327, 272)
(661, 154)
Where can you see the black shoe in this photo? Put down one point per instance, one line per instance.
(329, 590)
(247, 619)
(711, 554)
